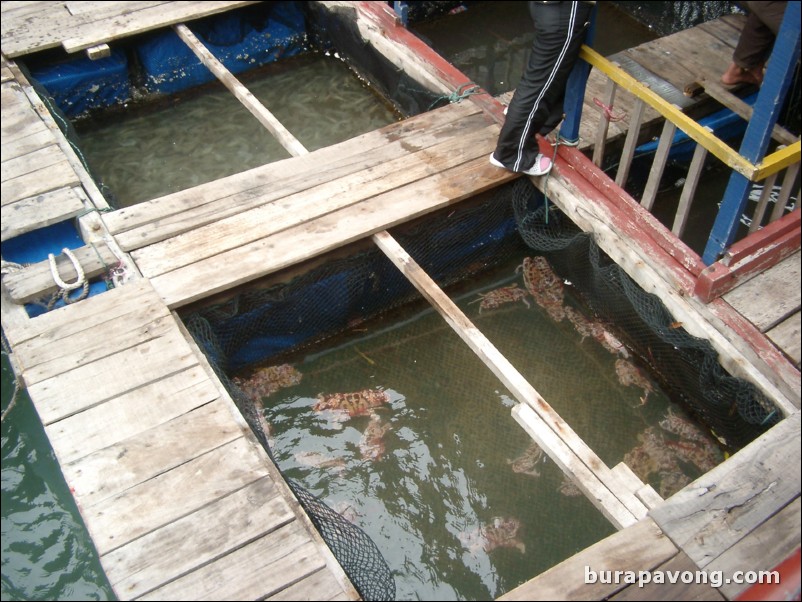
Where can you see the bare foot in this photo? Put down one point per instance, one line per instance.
(738, 75)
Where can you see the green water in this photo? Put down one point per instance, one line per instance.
(47, 553)
(443, 466)
(195, 139)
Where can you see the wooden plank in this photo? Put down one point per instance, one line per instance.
(786, 335)
(27, 163)
(675, 568)
(112, 470)
(102, 9)
(290, 143)
(204, 535)
(641, 547)
(36, 280)
(766, 300)
(329, 232)
(143, 20)
(39, 181)
(762, 549)
(100, 380)
(549, 430)
(251, 572)
(40, 211)
(34, 136)
(173, 495)
(720, 508)
(309, 205)
(320, 585)
(111, 305)
(43, 361)
(689, 190)
(130, 414)
(172, 214)
(71, 346)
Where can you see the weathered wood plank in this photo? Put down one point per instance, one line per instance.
(786, 335)
(69, 345)
(167, 216)
(331, 231)
(172, 495)
(36, 280)
(603, 487)
(41, 362)
(722, 507)
(93, 383)
(141, 21)
(762, 550)
(32, 213)
(309, 205)
(641, 547)
(766, 300)
(29, 162)
(290, 143)
(320, 585)
(34, 135)
(251, 572)
(39, 181)
(674, 568)
(132, 413)
(210, 532)
(90, 313)
(123, 465)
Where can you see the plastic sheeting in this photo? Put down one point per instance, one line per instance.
(237, 41)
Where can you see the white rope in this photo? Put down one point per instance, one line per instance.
(75, 264)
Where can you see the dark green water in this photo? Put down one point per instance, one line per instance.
(442, 459)
(47, 553)
(444, 406)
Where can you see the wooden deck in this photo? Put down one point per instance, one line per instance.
(135, 413)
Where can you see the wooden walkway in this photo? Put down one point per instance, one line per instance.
(135, 413)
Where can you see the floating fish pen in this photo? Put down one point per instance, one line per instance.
(372, 407)
(398, 442)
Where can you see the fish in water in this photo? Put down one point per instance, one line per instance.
(630, 375)
(318, 460)
(371, 445)
(544, 285)
(500, 533)
(681, 427)
(266, 381)
(527, 462)
(500, 296)
(568, 488)
(358, 403)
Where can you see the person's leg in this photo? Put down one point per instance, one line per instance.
(755, 43)
(538, 97)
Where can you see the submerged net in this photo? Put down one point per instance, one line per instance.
(269, 323)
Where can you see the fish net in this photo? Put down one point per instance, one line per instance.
(268, 323)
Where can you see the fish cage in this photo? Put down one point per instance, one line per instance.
(396, 440)
(370, 405)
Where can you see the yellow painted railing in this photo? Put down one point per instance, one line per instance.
(771, 164)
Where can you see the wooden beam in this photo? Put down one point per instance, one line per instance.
(604, 488)
(249, 101)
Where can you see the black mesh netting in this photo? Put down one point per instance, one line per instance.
(686, 366)
(267, 323)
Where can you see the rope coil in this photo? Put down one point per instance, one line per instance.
(64, 288)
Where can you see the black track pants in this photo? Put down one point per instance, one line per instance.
(537, 104)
